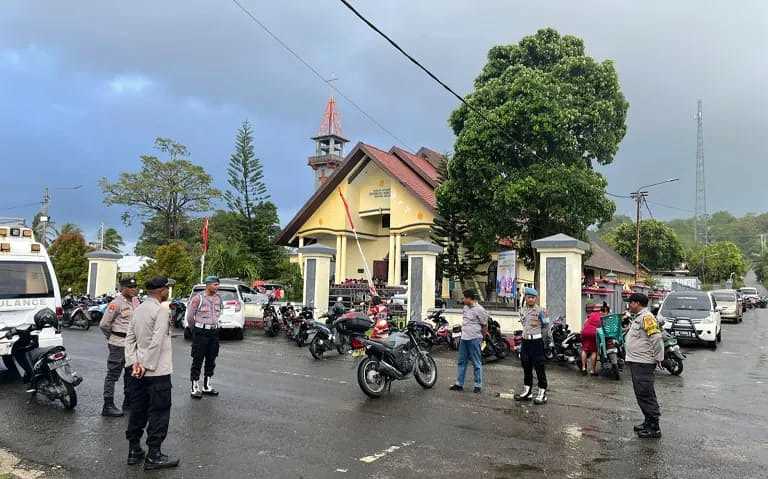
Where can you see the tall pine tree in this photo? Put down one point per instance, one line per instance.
(249, 199)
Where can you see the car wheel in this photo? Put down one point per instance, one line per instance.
(239, 333)
(713, 345)
(719, 338)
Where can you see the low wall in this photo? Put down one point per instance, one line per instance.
(508, 320)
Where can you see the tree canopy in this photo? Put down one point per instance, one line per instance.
(659, 247)
(715, 262)
(112, 240)
(68, 252)
(172, 261)
(542, 112)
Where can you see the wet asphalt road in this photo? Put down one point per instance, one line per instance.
(282, 414)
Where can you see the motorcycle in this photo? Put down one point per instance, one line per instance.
(515, 342)
(288, 317)
(74, 314)
(49, 372)
(565, 344)
(272, 324)
(178, 311)
(673, 357)
(439, 334)
(302, 325)
(610, 344)
(394, 358)
(327, 336)
(494, 345)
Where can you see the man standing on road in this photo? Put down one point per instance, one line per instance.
(645, 351)
(473, 329)
(532, 349)
(148, 348)
(203, 320)
(114, 324)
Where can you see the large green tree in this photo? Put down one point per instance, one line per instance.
(231, 260)
(173, 261)
(168, 191)
(605, 229)
(659, 247)
(68, 252)
(541, 114)
(112, 240)
(715, 262)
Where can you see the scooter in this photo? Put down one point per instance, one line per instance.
(515, 342)
(271, 322)
(610, 344)
(178, 311)
(327, 336)
(673, 357)
(495, 345)
(302, 326)
(288, 317)
(565, 344)
(48, 372)
(74, 314)
(440, 334)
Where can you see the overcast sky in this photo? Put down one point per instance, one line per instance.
(86, 86)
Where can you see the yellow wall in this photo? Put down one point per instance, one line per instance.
(407, 209)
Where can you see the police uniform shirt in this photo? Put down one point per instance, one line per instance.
(204, 309)
(117, 317)
(645, 344)
(149, 338)
(532, 321)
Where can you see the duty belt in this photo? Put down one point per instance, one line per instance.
(532, 336)
(119, 334)
(205, 326)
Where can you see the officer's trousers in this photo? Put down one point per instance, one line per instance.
(150, 399)
(115, 367)
(532, 357)
(205, 348)
(643, 376)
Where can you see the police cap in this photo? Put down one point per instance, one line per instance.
(128, 283)
(159, 282)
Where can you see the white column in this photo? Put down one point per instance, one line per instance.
(338, 269)
(317, 265)
(398, 267)
(343, 258)
(301, 260)
(391, 263)
(422, 270)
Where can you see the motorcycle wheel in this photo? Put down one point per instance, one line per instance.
(300, 340)
(70, 399)
(82, 321)
(370, 380)
(674, 366)
(454, 343)
(502, 349)
(425, 371)
(269, 330)
(613, 358)
(316, 349)
(343, 346)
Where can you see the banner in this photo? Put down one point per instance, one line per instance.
(506, 275)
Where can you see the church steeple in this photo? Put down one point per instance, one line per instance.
(329, 144)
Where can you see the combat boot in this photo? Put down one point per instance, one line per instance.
(541, 397)
(526, 396)
(208, 387)
(110, 410)
(639, 427)
(157, 460)
(135, 453)
(651, 431)
(196, 392)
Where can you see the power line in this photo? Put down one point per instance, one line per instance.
(438, 80)
(318, 75)
(645, 201)
(17, 207)
(617, 196)
(670, 207)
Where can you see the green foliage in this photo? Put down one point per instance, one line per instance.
(69, 228)
(761, 268)
(545, 93)
(715, 262)
(605, 229)
(231, 260)
(723, 226)
(68, 257)
(660, 249)
(173, 261)
(112, 240)
(290, 277)
(165, 191)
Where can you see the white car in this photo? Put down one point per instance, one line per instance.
(239, 304)
(692, 315)
(730, 304)
(750, 295)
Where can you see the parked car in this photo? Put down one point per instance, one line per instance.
(238, 305)
(751, 298)
(692, 316)
(730, 303)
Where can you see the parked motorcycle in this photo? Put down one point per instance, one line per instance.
(304, 323)
(178, 311)
(288, 317)
(271, 321)
(440, 334)
(49, 372)
(328, 335)
(495, 345)
(565, 344)
(393, 358)
(673, 357)
(74, 314)
(515, 342)
(610, 344)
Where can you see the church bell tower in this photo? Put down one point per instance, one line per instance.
(329, 145)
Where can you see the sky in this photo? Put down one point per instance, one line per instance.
(85, 88)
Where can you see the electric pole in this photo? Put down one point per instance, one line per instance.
(701, 222)
(639, 197)
(44, 219)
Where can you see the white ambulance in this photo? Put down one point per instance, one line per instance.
(27, 285)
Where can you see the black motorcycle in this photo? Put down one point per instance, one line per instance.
(565, 345)
(393, 358)
(327, 336)
(74, 314)
(178, 311)
(495, 345)
(302, 326)
(271, 321)
(288, 317)
(47, 371)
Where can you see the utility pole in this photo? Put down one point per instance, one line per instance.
(101, 236)
(639, 197)
(44, 219)
(701, 222)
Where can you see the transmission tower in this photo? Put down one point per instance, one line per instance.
(701, 222)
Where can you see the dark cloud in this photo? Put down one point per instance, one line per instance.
(86, 89)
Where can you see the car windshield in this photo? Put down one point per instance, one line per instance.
(724, 297)
(699, 302)
(24, 279)
(226, 294)
(748, 290)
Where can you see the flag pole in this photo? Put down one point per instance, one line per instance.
(202, 266)
(204, 238)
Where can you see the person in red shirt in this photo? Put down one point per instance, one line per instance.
(589, 339)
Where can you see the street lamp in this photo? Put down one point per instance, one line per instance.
(639, 195)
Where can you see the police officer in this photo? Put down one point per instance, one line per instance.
(148, 349)
(203, 319)
(114, 324)
(645, 351)
(532, 349)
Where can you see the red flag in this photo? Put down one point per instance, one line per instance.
(346, 208)
(204, 235)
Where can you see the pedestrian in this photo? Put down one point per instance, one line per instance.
(474, 328)
(589, 339)
(114, 324)
(203, 319)
(532, 348)
(645, 351)
(148, 349)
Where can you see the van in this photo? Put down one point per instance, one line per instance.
(27, 285)
(730, 303)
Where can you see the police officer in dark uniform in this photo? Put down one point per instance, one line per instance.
(203, 320)
(114, 324)
(532, 349)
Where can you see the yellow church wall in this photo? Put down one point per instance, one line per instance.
(406, 209)
(375, 250)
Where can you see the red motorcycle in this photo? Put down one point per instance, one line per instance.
(515, 342)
